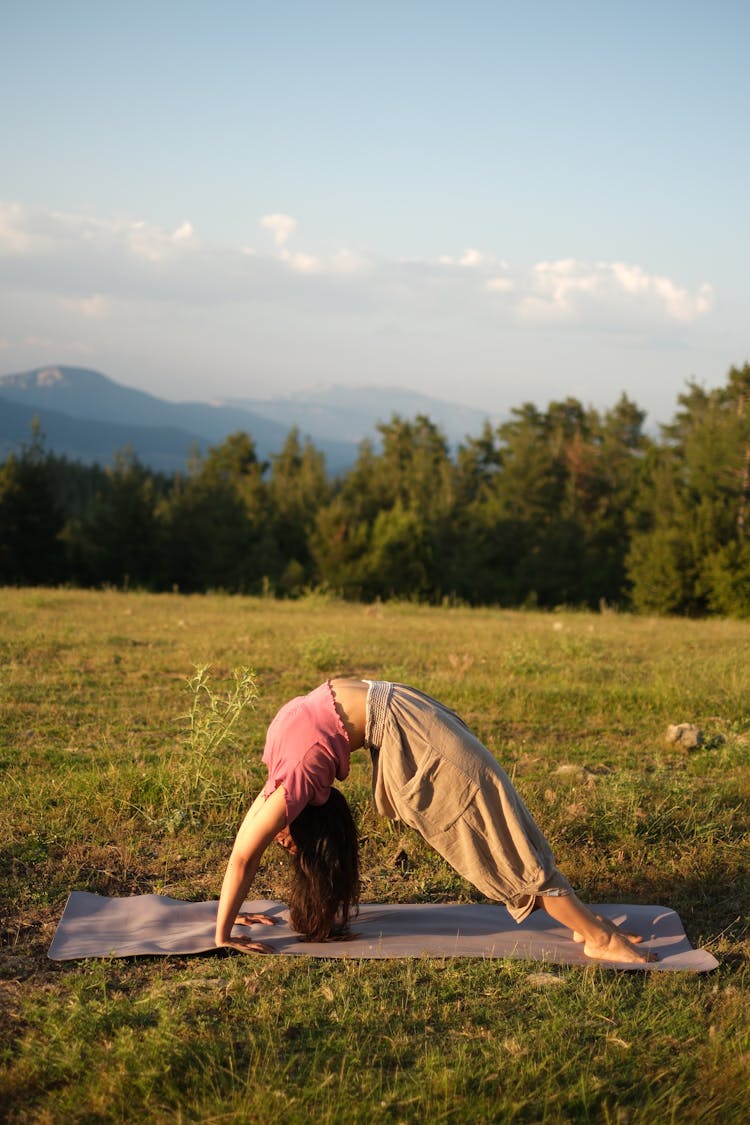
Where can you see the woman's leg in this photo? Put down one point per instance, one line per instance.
(601, 938)
(432, 773)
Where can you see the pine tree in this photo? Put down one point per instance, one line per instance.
(117, 539)
(216, 527)
(689, 551)
(31, 520)
(297, 489)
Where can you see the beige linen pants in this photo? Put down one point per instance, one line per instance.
(432, 773)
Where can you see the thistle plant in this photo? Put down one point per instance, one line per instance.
(212, 719)
(213, 716)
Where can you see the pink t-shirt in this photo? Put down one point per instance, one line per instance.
(306, 749)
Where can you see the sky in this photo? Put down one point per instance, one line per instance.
(491, 202)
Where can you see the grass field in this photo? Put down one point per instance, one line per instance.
(102, 788)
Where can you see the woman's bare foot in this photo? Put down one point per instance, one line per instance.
(602, 940)
(635, 938)
(616, 946)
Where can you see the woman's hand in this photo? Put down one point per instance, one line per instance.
(264, 819)
(247, 919)
(247, 945)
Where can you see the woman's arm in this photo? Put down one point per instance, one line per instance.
(265, 818)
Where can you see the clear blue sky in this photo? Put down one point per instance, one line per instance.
(491, 202)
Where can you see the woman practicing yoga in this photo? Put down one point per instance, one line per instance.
(430, 772)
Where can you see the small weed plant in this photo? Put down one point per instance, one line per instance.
(212, 723)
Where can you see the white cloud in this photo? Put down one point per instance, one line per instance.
(472, 259)
(183, 233)
(583, 292)
(499, 285)
(25, 232)
(301, 263)
(348, 262)
(14, 239)
(679, 303)
(151, 242)
(101, 264)
(280, 226)
(343, 264)
(73, 286)
(91, 307)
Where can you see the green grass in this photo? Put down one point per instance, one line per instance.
(103, 789)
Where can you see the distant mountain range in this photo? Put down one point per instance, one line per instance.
(88, 417)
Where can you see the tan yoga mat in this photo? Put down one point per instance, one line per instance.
(152, 925)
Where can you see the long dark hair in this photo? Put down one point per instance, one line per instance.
(325, 889)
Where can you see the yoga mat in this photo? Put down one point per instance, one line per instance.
(95, 926)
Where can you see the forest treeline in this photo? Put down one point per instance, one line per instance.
(563, 506)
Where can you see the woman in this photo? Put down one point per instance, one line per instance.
(430, 772)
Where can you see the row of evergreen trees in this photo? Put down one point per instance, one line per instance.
(563, 506)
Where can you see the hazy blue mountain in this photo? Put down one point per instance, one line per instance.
(88, 416)
(333, 411)
(163, 448)
(88, 394)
